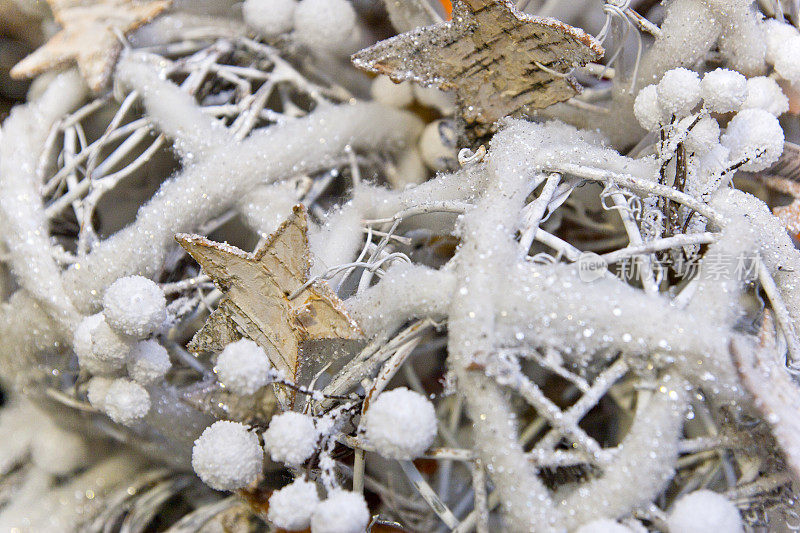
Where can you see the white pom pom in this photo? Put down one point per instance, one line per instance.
(603, 525)
(243, 367)
(648, 110)
(776, 33)
(290, 508)
(100, 349)
(58, 451)
(148, 362)
(126, 401)
(787, 60)
(342, 512)
(703, 137)
(723, 90)
(270, 17)
(703, 511)
(754, 134)
(438, 144)
(765, 93)
(326, 25)
(401, 424)
(387, 92)
(291, 438)
(135, 306)
(96, 391)
(679, 91)
(227, 456)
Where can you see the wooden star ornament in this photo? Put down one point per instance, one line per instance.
(88, 36)
(257, 302)
(497, 59)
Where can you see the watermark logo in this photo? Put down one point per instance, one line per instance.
(591, 267)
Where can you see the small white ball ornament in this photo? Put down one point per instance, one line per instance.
(679, 91)
(327, 26)
(148, 362)
(135, 306)
(291, 507)
(243, 367)
(703, 511)
(401, 424)
(291, 438)
(126, 402)
(342, 512)
(269, 17)
(227, 456)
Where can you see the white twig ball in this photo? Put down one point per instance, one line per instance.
(126, 401)
(679, 91)
(401, 424)
(100, 349)
(291, 438)
(290, 508)
(342, 512)
(723, 90)
(756, 135)
(703, 511)
(227, 456)
(243, 367)
(148, 362)
(135, 306)
(269, 17)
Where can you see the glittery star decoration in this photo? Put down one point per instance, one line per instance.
(267, 297)
(497, 59)
(89, 36)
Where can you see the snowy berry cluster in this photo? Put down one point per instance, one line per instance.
(116, 340)
(753, 139)
(400, 424)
